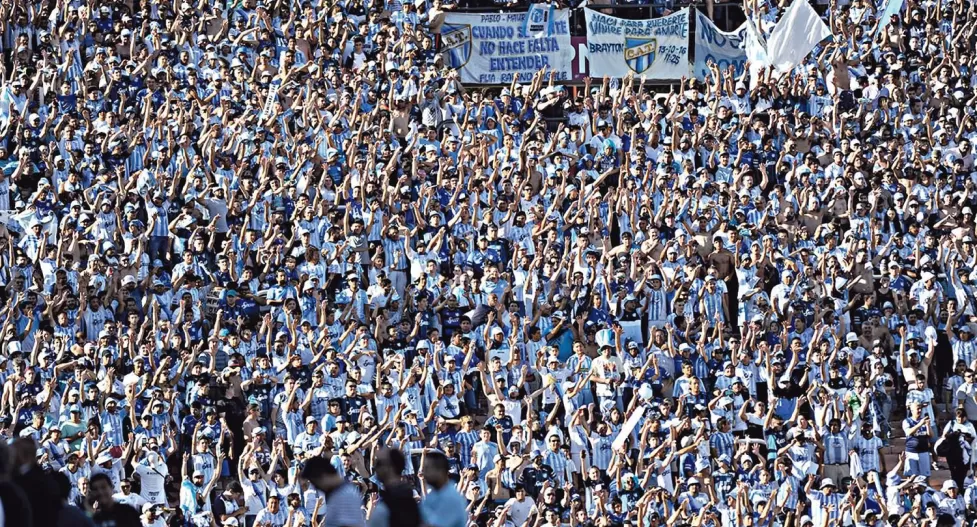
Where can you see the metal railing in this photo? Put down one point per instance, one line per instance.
(726, 15)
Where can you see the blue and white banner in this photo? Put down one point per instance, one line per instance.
(491, 48)
(539, 20)
(271, 99)
(723, 48)
(656, 49)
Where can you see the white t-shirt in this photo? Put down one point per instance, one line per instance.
(152, 480)
(132, 499)
(519, 510)
(254, 495)
(606, 368)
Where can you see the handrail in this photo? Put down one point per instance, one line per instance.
(614, 4)
(726, 14)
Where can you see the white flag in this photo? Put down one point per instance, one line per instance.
(756, 51)
(754, 45)
(797, 33)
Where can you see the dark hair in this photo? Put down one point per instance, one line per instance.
(437, 461)
(397, 461)
(63, 485)
(99, 477)
(318, 466)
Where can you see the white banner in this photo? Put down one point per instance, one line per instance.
(270, 100)
(657, 49)
(797, 33)
(628, 427)
(490, 48)
(723, 48)
(632, 331)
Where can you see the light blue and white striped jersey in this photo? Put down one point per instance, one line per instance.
(162, 225)
(722, 443)
(465, 442)
(964, 350)
(391, 258)
(820, 504)
(112, 427)
(712, 304)
(657, 305)
(836, 447)
(559, 463)
(788, 499)
(868, 452)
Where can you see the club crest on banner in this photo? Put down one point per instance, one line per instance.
(640, 53)
(456, 40)
(538, 16)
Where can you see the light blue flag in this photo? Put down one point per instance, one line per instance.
(892, 7)
(539, 20)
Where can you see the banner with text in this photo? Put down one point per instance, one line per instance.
(657, 48)
(724, 48)
(490, 48)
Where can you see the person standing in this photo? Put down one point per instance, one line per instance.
(520, 506)
(443, 506)
(396, 507)
(343, 500)
(918, 431)
(109, 513)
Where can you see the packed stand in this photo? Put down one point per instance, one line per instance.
(272, 264)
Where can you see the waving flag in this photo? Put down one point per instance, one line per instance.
(795, 36)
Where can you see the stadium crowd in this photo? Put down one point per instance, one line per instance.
(270, 264)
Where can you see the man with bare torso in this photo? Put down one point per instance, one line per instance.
(725, 263)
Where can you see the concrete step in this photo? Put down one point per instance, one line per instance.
(896, 445)
(937, 477)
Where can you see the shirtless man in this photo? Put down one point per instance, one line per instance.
(725, 263)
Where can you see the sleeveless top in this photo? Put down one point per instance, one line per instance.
(920, 441)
